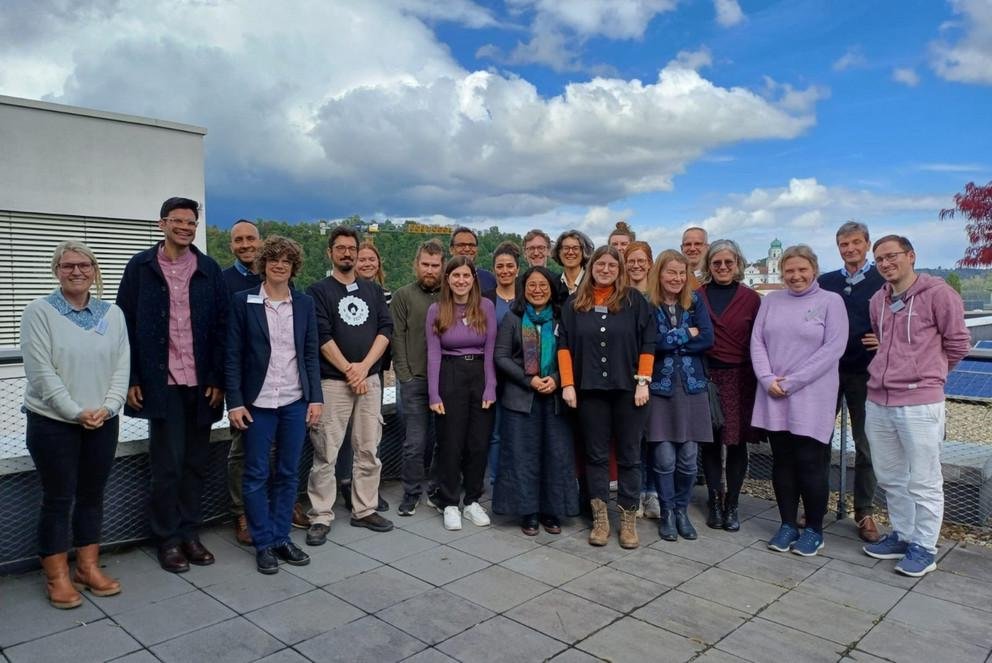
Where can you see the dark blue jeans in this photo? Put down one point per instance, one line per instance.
(674, 470)
(269, 500)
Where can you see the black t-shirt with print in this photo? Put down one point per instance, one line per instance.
(352, 316)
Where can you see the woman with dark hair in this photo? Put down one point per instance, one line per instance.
(732, 307)
(461, 385)
(572, 251)
(621, 237)
(605, 357)
(506, 266)
(537, 461)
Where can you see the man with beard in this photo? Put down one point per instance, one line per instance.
(409, 308)
(353, 329)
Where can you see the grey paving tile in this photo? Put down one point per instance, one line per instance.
(25, 613)
(429, 655)
(250, 589)
(569, 526)
(860, 593)
(883, 572)
(550, 566)
(575, 656)
(578, 544)
(500, 639)
(716, 656)
(972, 561)
(858, 656)
(703, 549)
(630, 639)
(660, 567)
(615, 589)
(692, 617)
(333, 563)
(957, 589)
(435, 615)
(367, 640)
(303, 617)
(142, 582)
(95, 641)
(391, 546)
(434, 529)
(341, 532)
(762, 640)
(497, 588)
(785, 570)
(732, 590)
(231, 641)
(755, 530)
(173, 617)
(284, 656)
(440, 565)
(377, 589)
(143, 656)
(494, 545)
(955, 621)
(563, 616)
(820, 617)
(840, 547)
(895, 641)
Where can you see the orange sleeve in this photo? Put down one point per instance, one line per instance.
(645, 364)
(565, 368)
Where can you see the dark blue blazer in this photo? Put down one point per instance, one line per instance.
(249, 348)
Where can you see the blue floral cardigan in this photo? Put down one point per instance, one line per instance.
(675, 349)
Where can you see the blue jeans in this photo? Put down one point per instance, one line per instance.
(674, 470)
(419, 441)
(270, 507)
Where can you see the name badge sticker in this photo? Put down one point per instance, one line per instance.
(556, 331)
(897, 306)
(101, 327)
(351, 287)
(600, 309)
(255, 299)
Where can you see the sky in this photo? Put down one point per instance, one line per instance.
(755, 119)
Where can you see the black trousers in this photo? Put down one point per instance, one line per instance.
(606, 415)
(854, 389)
(73, 464)
(463, 432)
(800, 467)
(178, 450)
(712, 462)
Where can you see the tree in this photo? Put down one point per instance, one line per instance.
(954, 281)
(975, 203)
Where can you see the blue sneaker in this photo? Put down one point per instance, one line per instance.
(783, 540)
(809, 543)
(917, 563)
(891, 547)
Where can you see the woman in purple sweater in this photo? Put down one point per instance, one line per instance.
(461, 386)
(799, 336)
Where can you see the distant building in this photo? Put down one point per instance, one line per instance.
(765, 272)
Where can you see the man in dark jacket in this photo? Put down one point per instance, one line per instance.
(175, 303)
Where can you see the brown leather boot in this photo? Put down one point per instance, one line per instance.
(241, 533)
(61, 593)
(600, 534)
(88, 574)
(867, 529)
(628, 528)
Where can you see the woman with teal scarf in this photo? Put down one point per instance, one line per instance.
(537, 464)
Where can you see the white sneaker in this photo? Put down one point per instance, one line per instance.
(452, 518)
(652, 508)
(477, 515)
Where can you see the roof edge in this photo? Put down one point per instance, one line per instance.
(103, 115)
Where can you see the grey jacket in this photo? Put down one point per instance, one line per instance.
(517, 394)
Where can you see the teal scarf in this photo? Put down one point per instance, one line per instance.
(539, 342)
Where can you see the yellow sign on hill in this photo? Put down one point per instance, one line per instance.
(427, 229)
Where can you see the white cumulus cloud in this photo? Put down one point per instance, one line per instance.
(728, 12)
(964, 53)
(853, 58)
(906, 75)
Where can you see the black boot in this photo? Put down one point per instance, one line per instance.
(666, 526)
(714, 518)
(731, 521)
(684, 525)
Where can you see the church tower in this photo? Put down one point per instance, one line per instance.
(774, 255)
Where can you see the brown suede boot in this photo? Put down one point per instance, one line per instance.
(600, 534)
(628, 528)
(61, 593)
(88, 574)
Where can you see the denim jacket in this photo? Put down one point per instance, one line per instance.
(675, 350)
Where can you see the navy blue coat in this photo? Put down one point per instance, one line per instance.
(249, 348)
(143, 296)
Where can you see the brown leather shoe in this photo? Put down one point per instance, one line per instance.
(241, 533)
(88, 574)
(300, 519)
(172, 559)
(867, 528)
(61, 593)
(197, 554)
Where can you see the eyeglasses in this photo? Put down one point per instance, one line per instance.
(345, 249)
(538, 287)
(889, 257)
(185, 223)
(464, 245)
(536, 249)
(571, 249)
(723, 263)
(639, 262)
(70, 267)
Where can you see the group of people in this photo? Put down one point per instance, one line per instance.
(617, 365)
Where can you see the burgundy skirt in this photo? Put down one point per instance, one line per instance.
(737, 386)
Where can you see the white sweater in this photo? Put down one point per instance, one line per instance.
(70, 369)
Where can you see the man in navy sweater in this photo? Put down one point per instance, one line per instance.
(856, 282)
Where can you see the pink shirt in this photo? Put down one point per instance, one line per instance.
(177, 273)
(282, 379)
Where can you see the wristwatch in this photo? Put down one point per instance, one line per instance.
(642, 380)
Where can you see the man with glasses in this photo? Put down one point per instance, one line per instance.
(464, 242)
(537, 247)
(694, 247)
(918, 322)
(353, 329)
(856, 282)
(175, 303)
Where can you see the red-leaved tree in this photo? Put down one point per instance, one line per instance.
(975, 203)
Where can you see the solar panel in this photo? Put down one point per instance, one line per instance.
(984, 345)
(971, 380)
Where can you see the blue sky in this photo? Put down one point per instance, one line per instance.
(755, 119)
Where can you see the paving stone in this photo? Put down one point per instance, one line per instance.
(703, 549)
(26, 614)
(860, 593)
(391, 546)
(895, 641)
(430, 655)
(440, 565)
(956, 621)
(333, 563)
(762, 640)
(883, 572)
(303, 617)
(366, 640)
(435, 615)
(714, 655)
(972, 561)
(173, 617)
(858, 656)
(341, 532)
(732, 590)
(143, 656)
(575, 656)
(615, 589)
(826, 619)
(229, 566)
(500, 639)
(434, 530)
(785, 570)
(630, 639)
(563, 616)
(550, 566)
(657, 566)
(957, 589)
(578, 544)
(377, 589)
(231, 641)
(569, 526)
(142, 582)
(96, 641)
(692, 617)
(284, 656)
(493, 545)
(497, 588)
(251, 590)
(839, 547)
(755, 529)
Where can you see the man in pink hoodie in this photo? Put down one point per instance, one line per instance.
(918, 323)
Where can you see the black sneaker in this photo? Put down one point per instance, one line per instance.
(374, 522)
(290, 553)
(317, 534)
(383, 505)
(408, 506)
(434, 500)
(266, 562)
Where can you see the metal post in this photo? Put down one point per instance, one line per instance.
(841, 502)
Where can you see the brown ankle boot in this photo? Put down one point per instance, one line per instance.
(600, 534)
(61, 593)
(628, 528)
(88, 574)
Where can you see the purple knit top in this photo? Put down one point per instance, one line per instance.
(461, 339)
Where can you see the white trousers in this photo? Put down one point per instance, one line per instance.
(905, 450)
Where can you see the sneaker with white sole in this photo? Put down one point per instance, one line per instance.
(452, 518)
(652, 507)
(476, 515)
(918, 561)
(890, 547)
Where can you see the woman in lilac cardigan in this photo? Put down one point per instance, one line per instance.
(799, 336)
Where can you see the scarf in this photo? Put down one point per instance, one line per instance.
(539, 343)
